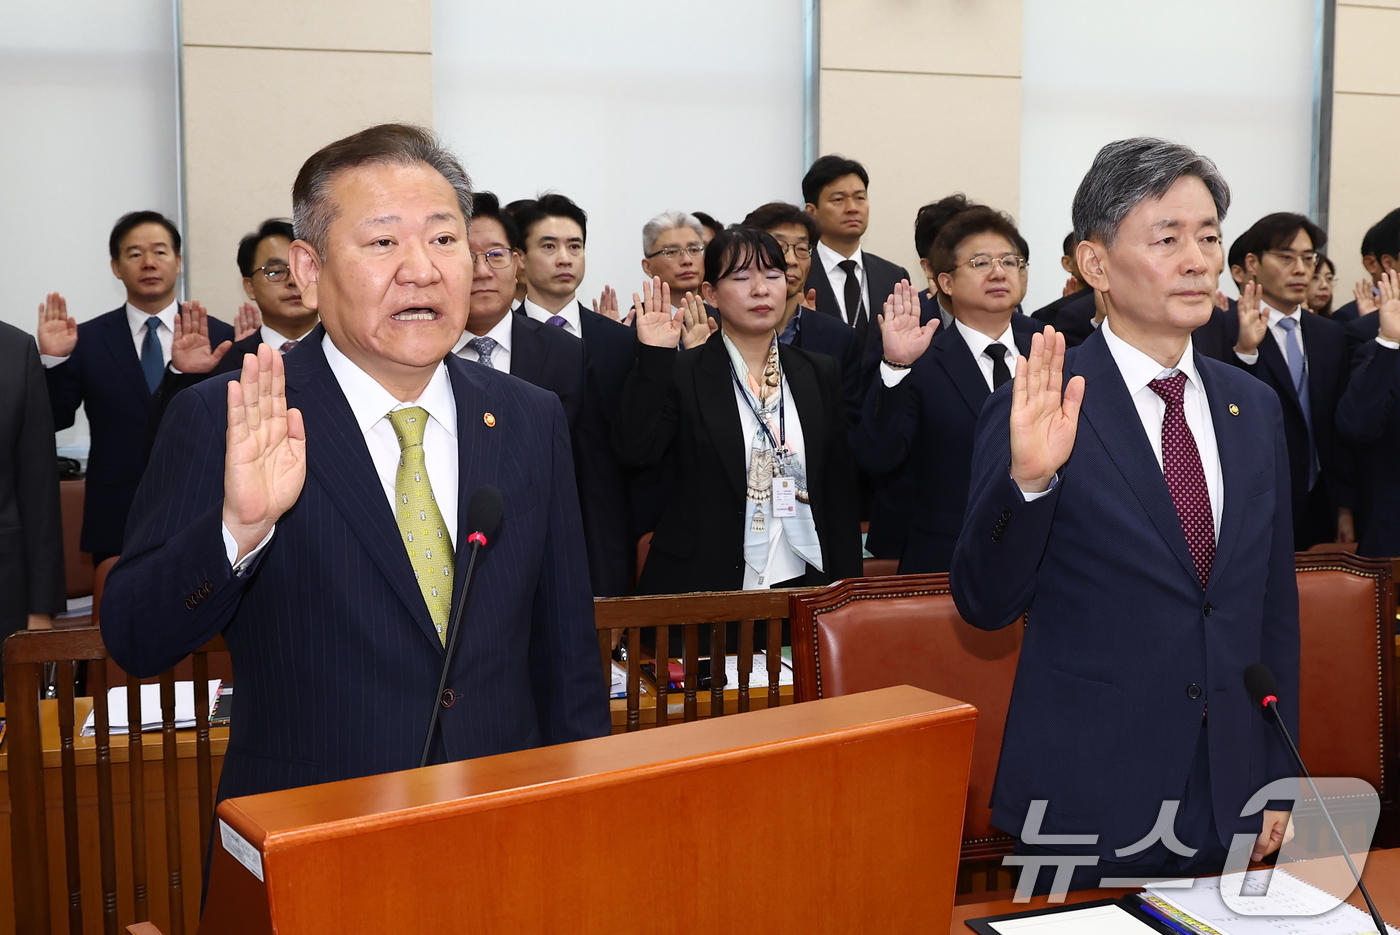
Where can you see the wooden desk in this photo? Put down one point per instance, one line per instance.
(85, 754)
(1382, 876)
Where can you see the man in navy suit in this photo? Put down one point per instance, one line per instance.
(1303, 357)
(1138, 516)
(1380, 251)
(554, 232)
(547, 357)
(112, 366)
(309, 509)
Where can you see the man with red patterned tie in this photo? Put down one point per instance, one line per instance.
(1132, 499)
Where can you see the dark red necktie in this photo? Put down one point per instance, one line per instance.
(1186, 479)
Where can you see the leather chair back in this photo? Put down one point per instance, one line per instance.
(862, 634)
(77, 566)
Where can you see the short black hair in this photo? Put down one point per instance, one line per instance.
(248, 246)
(1324, 258)
(931, 218)
(1275, 232)
(777, 213)
(530, 212)
(1236, 255)
(1383, 239)
(970, 223)
(1070, 244)
(487, 205)
(737, 247)
(828, 169)
(707, 220)
(133, 219)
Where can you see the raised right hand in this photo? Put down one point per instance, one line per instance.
(189, 349)
(1365, 298)
(1389, 305)
(655, 326)
(265, 460)
(58, 333)
(1043, 419)
(1254, 319)
(246, 321)
(905, 340)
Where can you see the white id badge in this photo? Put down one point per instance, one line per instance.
(784, 496)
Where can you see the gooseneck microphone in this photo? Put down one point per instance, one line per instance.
(483, 516)
(1259, 681)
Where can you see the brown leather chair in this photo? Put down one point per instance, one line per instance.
(77, 566)
(1346, 617)
(862, 634)
(881, 567)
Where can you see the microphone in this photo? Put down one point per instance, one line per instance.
(483, 516)
(1259, 681)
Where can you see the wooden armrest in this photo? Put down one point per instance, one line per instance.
(143, 928)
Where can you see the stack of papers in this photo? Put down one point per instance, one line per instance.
(150, 708)
(1303, 908)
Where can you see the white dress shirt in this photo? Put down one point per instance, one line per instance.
(136, 320)
(1280, 335)
(275, 339)
(371, 403)
(835, 275)
(977, 342)
(569, 313)
(500, 356)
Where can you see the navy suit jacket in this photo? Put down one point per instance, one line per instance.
(173, 382)
(1119, 634)
(611, 351)
(924, 426)
(1357, 332)
(104, 375)
(1368, 418)
(336, 655)
(822, 334)
(1347, 313)
(880, 278)
(1050, 314)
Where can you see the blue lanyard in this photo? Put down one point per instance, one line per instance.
(781, 440)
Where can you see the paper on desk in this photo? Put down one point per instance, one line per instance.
(150, 708)
(1097, 920)
(1303, 907)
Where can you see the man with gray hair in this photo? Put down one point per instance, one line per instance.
(312, 510)
(673, 250)
(1132, 501)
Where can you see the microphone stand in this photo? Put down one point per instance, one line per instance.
(477, 540)
(1272, 704)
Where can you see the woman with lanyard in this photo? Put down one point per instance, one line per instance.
(765, 493)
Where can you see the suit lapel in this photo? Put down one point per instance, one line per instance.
(122, 349)
(714, 394)
(1271, 357)
(478, 449)
(526, 354)
(1237, 451)
(1111, 412)
(955, 357)
(336, 453)
(816, 279)
(807, 399)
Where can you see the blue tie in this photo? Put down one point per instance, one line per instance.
(1298, 372)
(152, 360)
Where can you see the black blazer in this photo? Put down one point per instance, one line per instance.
(1357, 332)
(1368, 418)
(1075, 319)
(822, 334)
(31, 525)
(103, 375)
(611, 349)
(173, 382)
(1325, 347)
(683, 402)
(551, 359)
(1215, 339)
(925, 424)
(336, 654)
(880, 278)
(1050, 314)
(1347, 313)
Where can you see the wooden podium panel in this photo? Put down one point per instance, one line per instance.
(837, 816)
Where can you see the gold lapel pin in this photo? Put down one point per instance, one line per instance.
(490, 420)
(1234, 410)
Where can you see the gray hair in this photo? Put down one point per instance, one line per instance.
(1128, 172)
(313, 209)
(668, 221)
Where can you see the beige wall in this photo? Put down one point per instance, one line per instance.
(266, 84)
(927, 94)
(1365, 131)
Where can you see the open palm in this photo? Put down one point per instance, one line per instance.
(1044, 413)
(265, 460)
(655, 325)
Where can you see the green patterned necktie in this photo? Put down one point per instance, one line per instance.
(420, 521)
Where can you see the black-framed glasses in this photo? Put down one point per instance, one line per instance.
(496, 259)
(274, 272)
(693, 251)
(1289, 257)
(981, 263)
(799, 250)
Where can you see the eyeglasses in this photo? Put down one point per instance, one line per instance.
(1309, 257)
(693, 251)
(274, 273)
(799, 250)
(981, 263)
(496, 259)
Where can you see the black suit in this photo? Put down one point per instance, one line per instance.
(104, 375)
(1315, 511)
(821, 334)
(1358, 331)
(1050, 314)
(924, 426)
(173, 382)
(549, 358)
(684, 402)
(1215, 339)
(1347, 313)
(31, 526)
(880, 278)
(1075, 319)
(1368, 418)
(611, 349)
